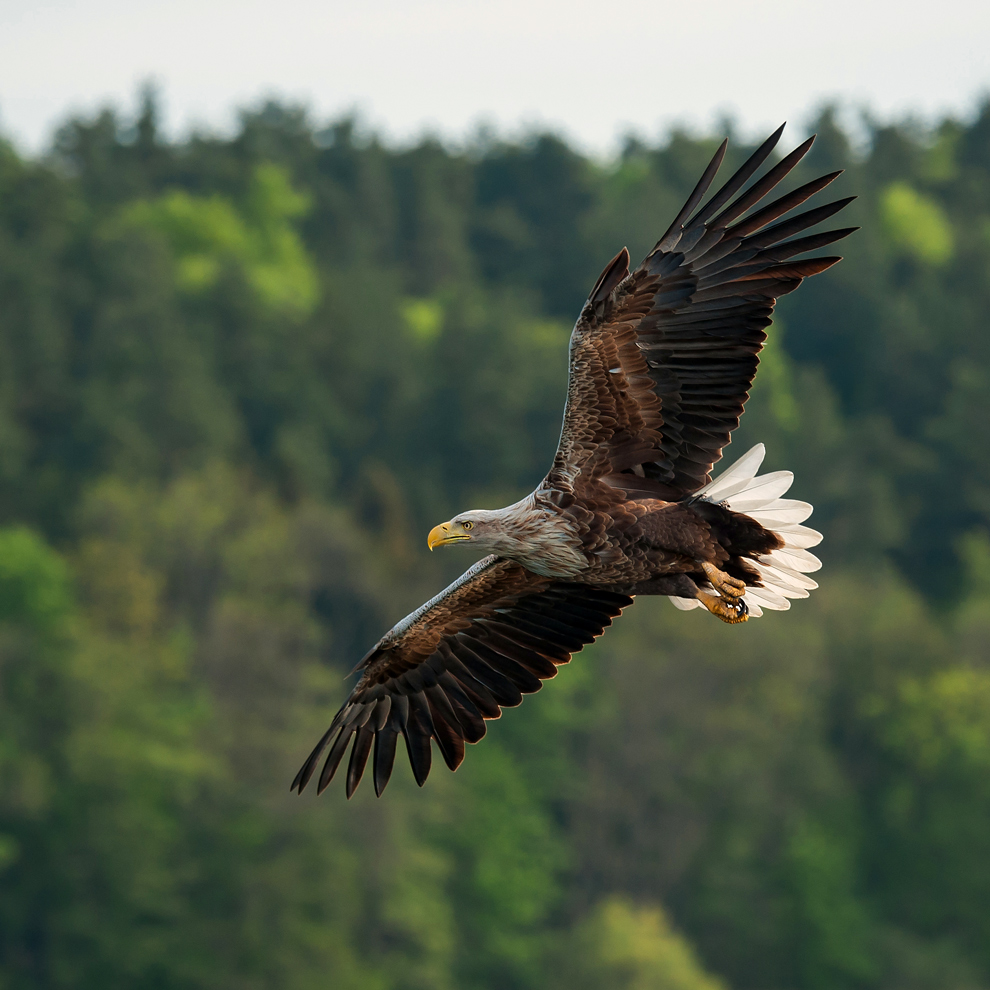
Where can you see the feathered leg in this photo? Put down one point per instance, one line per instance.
(725, 584)
(683, 587)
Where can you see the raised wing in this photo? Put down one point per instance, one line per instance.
(478, 647)
(662, 359)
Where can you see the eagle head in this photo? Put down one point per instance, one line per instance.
(481, 527)
(535, 537)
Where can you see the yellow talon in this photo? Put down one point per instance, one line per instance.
(729, 610)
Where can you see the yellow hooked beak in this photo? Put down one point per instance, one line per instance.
(448, 532)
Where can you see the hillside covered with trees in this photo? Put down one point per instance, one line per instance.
(240, 379)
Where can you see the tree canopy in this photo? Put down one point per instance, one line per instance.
(242, 376)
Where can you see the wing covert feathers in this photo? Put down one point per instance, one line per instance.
(662, 362)
(494, 635)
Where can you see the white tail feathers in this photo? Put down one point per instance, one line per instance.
(784, 571)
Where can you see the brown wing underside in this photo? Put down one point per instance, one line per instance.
(478, 647)
(662, 360)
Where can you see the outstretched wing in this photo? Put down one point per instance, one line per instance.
(478, 647)
(662, 360)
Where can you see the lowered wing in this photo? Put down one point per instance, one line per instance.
(478, 647)
(662, 359)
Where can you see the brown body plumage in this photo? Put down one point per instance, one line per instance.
(661, 363)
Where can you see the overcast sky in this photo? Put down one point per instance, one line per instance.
(591, 69)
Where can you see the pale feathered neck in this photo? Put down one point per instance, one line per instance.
(539, 538)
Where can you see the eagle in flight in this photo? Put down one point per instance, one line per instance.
(661, 362)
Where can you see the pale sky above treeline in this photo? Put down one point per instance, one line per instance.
(592, 71)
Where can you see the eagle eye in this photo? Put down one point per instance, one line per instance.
(469, 525)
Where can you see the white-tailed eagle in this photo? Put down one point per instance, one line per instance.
(661, 362)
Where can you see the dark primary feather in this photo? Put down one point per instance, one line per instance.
(661, 366)
(495, 634)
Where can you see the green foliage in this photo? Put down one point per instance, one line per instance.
(916, 224)
(777, 383)
(831, 924)
(34, 583)
(205, 233)
(424, 319)
(625, 947)
(241, 378)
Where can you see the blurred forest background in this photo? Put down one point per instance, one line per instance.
(241, 377)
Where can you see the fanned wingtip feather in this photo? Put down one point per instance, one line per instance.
(306, 771)
(695, 198)
(738, 179)
(359, 758)
(384, 758)
(334, 757)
